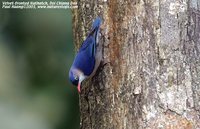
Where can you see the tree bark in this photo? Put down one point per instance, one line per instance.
(152, 76)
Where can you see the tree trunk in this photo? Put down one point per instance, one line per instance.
(152, 76)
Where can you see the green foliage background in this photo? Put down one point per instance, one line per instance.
(36, 51)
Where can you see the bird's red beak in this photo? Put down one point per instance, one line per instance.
(79, 87)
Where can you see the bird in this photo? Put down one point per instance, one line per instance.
(88, 57)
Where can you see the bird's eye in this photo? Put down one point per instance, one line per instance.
(76, 77)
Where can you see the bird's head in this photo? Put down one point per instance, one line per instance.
(76, 77)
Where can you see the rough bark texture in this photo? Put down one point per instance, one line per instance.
(152, 79)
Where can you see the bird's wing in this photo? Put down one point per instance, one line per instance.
(90, 42)
(85, 58)
(89, 45)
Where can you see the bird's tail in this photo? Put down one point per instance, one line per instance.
(95, 27)
(96, 23)
(95, 30)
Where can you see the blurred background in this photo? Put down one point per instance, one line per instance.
(36, 51)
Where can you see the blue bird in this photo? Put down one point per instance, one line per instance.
(88, 58)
